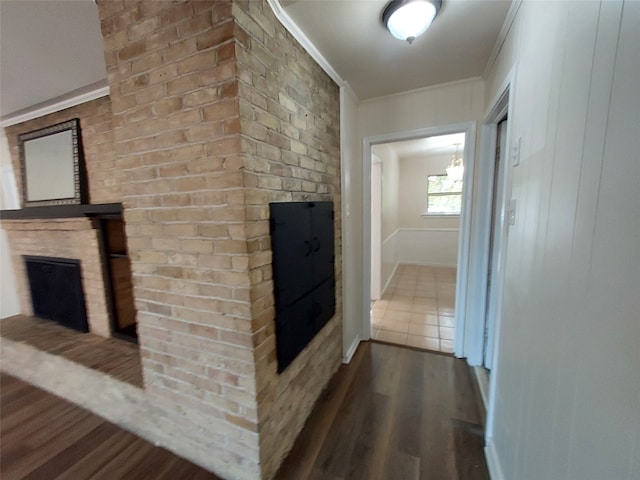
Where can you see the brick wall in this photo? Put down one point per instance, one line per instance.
(216, 111)
(74, 238)
(173, 81)
(97, 139)
(290, 116)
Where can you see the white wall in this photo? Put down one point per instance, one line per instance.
(424, 240)
(413, 192)
(567, 379)
(434, 247)
(390, 189)
(351, 224)
(429, 107)
(407, 235)
(390, 211)
(446, 104)
(9, 303)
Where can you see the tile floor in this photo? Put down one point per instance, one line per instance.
(417, 309)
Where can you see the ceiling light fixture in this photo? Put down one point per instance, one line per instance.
(455, 171)
(408, 19)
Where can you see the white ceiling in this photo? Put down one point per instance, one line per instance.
(428, 146)
(350, 35)
(51, 48)
(438, 145)
(47, 49)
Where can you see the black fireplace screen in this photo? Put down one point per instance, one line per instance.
(56, 291)
(302, 240)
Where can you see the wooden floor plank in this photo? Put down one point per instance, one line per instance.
(47, 438)
(392, 413)
(406, 415)
(117, 358)
(300, 461)
(72, 454)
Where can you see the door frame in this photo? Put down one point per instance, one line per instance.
(498, 109)
(498, 227)
(376, 227)
(469, 128)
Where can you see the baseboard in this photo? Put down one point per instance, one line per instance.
(429, 264)
(346, 358)
(480, 387)
(493, 462)
(482, 379)
(386, 285)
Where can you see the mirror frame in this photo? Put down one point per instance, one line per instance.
(79, 194)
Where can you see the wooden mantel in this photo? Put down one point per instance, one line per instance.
(62, 211)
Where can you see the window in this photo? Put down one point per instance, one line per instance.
(444, 196)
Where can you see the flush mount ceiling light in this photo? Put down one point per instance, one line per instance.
(408, 19)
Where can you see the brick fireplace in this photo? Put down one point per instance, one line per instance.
(214, 112)
(74, 238)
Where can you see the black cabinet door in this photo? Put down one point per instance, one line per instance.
(292, 249)
(324, 304)
(295, 327)
(302, 241)
(322, 240)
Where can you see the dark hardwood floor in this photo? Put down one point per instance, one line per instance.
(44, 437)
(117, 358)
(393, 413)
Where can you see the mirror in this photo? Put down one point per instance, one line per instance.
(52, 170)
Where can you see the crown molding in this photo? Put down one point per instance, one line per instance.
(307, 44)
(97, 90)
(504, 31)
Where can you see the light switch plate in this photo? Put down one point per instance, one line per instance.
(515, 153)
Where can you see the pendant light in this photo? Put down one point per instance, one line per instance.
(455, 171)
(408, 19)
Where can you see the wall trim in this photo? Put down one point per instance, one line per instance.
(390, 237)
(428, 229)
(424, 89)
(426, 264)
(306, 43)
(493, 461)
(55, 105)
(386, 285)
(346, 358)
(479, 373)
(502, 36)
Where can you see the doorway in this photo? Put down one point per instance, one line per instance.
(495, 250)
(495, 213)
(494, 253)
(416, 227)
(415, 218)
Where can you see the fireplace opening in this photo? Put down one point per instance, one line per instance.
(56, 291)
